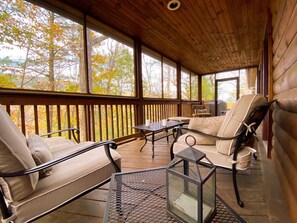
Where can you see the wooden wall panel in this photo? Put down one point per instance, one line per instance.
(287, 142)
(274, 7)
(286, 187)
(287, 81)
(277, 17)
(284, 152)
(286, 121)
(286, 60)
(287, 100)
(286, 20)
(288, 167)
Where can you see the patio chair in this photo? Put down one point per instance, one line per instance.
(39, 175)
(227, 140)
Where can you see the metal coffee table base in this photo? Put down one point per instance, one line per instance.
(149, 132)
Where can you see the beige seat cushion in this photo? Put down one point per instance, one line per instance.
(234, 120)
(210, 125)
(218, 159)
(15, 156)
(68, 179)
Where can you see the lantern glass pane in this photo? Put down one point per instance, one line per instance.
(175, 187)
(183, 197)
(204, 171)
(209, 196)
(194, 172)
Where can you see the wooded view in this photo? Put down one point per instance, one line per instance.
(43, 50)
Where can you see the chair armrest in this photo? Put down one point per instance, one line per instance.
(72, 130)
(106, 144)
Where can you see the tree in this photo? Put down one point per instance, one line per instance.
(169, 81)
(7, 73)
(48, 45)
(44, 49)
(194, 87)
(185, 85)
(208, 87)
(112, 69)
(151, 77)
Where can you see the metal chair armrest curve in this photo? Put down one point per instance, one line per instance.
(106, 144)
(72, 130)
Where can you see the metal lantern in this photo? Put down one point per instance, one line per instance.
(191, 186)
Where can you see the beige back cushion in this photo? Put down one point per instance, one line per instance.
(40, 153)
(15, 156)
(234, 119)
(209, 125)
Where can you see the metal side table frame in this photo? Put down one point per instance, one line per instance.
(153, 129)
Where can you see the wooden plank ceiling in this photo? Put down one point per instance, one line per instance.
(205, 36)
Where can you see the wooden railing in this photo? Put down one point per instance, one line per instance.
(97, 118)
(157, 112)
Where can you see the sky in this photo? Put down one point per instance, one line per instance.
(12, 52)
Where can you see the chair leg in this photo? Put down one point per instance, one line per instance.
(171, 151)
(256, 147)
(178, 134)
(234, 173)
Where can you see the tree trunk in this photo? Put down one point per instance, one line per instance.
(51, 53)
(25, 67)
(51, 64)
(89, 53)
(82, 64)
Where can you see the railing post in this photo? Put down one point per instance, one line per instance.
(87, 122)
(139, 119)
(178, 75)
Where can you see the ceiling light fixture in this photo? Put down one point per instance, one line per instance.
(173, 5)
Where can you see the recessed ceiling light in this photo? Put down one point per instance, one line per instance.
(173, 5)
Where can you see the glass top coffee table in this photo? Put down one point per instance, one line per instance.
(140, 196)
(149, 132)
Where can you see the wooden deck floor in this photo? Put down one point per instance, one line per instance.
(258, 187)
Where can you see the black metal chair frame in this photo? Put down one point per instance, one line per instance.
(107, 146)
(244, 137)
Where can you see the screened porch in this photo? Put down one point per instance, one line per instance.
(106, 67)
